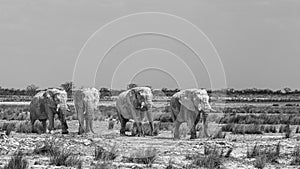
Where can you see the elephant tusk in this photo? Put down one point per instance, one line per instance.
(212, 110)
(57, 107)
(142, 104)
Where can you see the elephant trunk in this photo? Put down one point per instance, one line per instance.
(89, 115)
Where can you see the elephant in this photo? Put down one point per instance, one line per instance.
(134, 104)
(187, 106)
(45, 104)
(86, 104)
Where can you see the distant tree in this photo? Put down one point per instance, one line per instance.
(68, 86)
(31, 90)
(287, 90)
(131, 85)
(104, 92)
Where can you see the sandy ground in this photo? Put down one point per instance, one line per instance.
(168, 149)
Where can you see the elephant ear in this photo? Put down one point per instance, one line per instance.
(49, 98)
(133, 98)
(186, 99)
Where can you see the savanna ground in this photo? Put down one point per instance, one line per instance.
(244, 135)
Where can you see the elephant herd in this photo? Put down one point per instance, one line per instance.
(187, 105)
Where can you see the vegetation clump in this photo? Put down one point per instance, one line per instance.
(17, 161)
(102, 154)
(142, 156)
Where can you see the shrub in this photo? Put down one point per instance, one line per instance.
(11, 127)
(111, 124)
(47, 147)
(64, 157)
(296, 156)
(260, 162)
(254, 152)
(142, 156)
(238, 129)
(23, 127)
(17, 162)
(227, 127)
(170, 165)
(102, 154)
(297, 129)
(211, 159)
(270, 154)
(166, 117)
(219, 134)
(253, 129)
(288, 131)
(103, 165)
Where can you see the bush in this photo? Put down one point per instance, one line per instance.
(254, 152)
(11, 127)
(260, 162)
(219, 134)
(102, 154)
(269, 154)
(64, 157)
(111, 124)
(228, 127)
(23, 127)
(103, 165)
(142, 156)
(47, 147)
(288, 131)
(253, 129)
(297, 129)
(211, 159)
(17, 162)
(296, 156)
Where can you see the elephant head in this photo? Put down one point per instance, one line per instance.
(56, 99)
(197, 99)
(141, 98)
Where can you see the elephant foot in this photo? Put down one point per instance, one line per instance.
(176, 138)
(122, 133)
(193, 136)
(65, 132)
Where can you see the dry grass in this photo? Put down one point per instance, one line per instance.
(17, 161)
(142, 156)
(64, 157)
(101, 153)
(296, 156)
(23, 127)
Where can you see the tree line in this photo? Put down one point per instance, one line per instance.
(32, 89)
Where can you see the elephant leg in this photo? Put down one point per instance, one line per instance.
(151, 128)
(87, 124)
(51, 120)
(140, 129)
(123, 125)
(80, 117)
(63, 122)
(149, 116)
(176, 130)
(204, 118)
(32, 125)
(193, 128)
(44, 123)
(91, 125)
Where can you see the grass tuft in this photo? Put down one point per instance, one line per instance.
(143, 156)
(296, 156)
(102, 154)
(17, 162)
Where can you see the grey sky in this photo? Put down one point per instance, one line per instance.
(258, 41)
